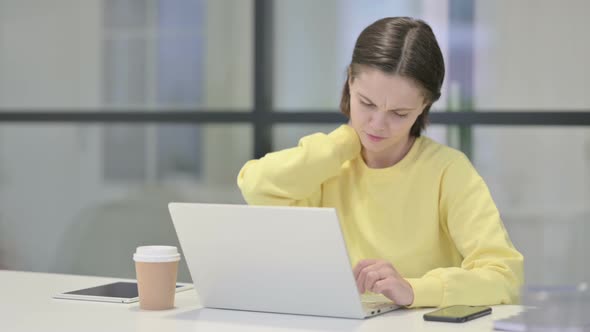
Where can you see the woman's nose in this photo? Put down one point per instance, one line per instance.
(378, 120)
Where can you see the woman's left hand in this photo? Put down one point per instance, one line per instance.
(379, 276)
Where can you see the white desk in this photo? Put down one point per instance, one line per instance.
(26, 305)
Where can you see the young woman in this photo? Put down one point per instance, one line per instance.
(419, 222)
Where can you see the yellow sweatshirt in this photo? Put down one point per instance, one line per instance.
(431, 214)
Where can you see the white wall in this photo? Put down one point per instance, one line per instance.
(57, 43)
(57, 213)
(306, 54)
(50, 59)
(229, 78)
(529, 54)
(533, 55)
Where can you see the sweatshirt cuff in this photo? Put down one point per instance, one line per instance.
(428, 292)
(347, 142)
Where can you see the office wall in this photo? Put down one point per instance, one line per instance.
(59, 209)
(55, 39)
(49, 58)
(531, 55)
(229, 74)
(57, 206)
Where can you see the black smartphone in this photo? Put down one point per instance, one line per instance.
(457, 313)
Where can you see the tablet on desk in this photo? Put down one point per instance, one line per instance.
(118, 292)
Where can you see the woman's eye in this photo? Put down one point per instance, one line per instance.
(401, 115)
(367, 104)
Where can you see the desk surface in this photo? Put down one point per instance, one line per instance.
(26, 305)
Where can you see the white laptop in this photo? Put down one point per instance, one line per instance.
(271, 259)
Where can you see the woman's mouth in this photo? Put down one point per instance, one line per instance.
(375, 138)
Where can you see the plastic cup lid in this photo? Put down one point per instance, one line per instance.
(156, 254)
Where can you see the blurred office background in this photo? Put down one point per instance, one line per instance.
(77, 196)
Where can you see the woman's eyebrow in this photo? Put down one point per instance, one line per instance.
(401, 109)
(369, 100)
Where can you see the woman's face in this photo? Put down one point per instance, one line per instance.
(383, 108)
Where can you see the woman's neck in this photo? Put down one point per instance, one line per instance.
(389, 157)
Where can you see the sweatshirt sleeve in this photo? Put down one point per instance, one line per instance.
(492, 269)
(294, 177)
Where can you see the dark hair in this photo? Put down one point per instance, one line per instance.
(401, 46)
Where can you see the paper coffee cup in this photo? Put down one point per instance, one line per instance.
(156, 268)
